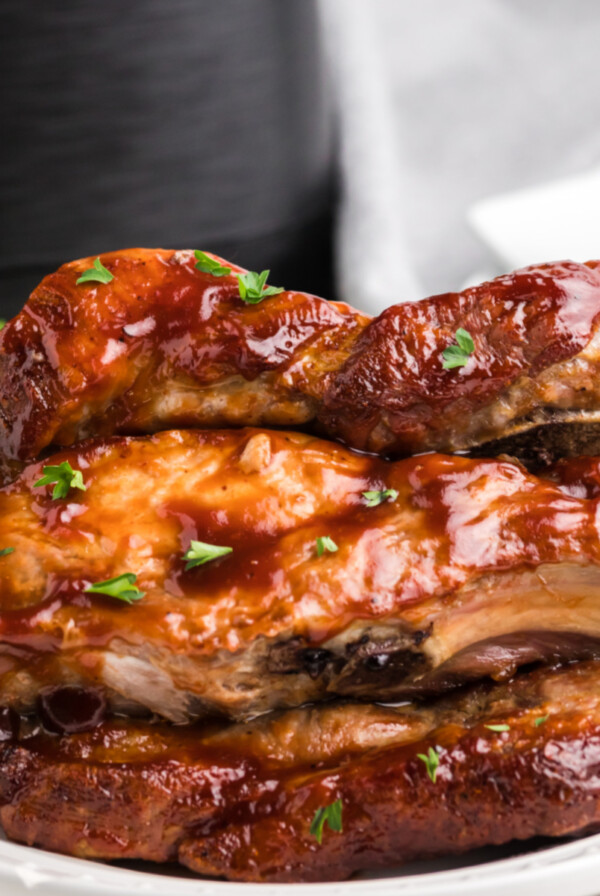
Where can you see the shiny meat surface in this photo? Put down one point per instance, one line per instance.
(238, 802)
(164, 345)
(577, 476)
(473, 569)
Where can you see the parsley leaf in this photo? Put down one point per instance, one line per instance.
(458, 355)
(325, 543)
(122, 587)
(253, 288)
(98, 273)
(376, 498)
(431, 760)
(209, 265)
(65, 478)
(6, 551)
(332, 814)
(540, 721)
(498, 727)
(199, 553)
(2, 323)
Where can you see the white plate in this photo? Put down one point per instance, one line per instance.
(548, 222)
(570, 868)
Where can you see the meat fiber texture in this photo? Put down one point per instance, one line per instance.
(342, 576)
(165, 345)
(413, 595)
(512, 761)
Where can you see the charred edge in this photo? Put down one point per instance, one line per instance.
(362, 662)
(315, 660)
(373, 664)
(544, 444)
(293, 657)
(9, 724)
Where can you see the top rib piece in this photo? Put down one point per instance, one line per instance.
(165, 345)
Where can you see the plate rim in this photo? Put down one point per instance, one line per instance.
(37, 869)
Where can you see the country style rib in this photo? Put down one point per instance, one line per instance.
(466, 568)
(165, 345)
(238, 802)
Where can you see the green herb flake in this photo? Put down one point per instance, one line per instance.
(253, 287)
(540, 721)
(458, 355)
(122, 587)
(200, 553)
(209, 265)
(325, 543)
(331, 814)
(431, 760)
(6, 551)
(375, 498)
(65, 478)
(498, 728)
(97, 273)
(2, 323)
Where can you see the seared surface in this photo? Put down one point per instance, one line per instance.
(238, 802)
(165, 345)
(475, 568)
(162, 345)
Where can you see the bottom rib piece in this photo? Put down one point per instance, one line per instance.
(237, 801)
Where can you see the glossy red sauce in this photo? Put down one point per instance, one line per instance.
(577, 476)
(521, 323)
(234, 807)
(96, 359)
(455, 519)
(158, 319)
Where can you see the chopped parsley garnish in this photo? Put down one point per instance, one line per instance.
(199, 553)
(253, 287)
(209, 265)
(458, 355)
(325, 543)
(122, 587)
(376, 498)
(65, 478)
(6, 551)
(331, 814)
(98, 273)
(431, 760)
(2, 323)
(540, 721)
(498, 727)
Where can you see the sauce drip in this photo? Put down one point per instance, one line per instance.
(70, 709)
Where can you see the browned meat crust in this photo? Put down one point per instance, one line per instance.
(238, 802)
(469, 568)
(166, 345)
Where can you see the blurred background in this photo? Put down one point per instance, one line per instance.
(369, 150)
